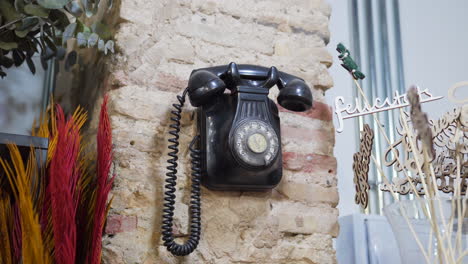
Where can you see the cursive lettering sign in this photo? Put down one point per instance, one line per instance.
(449, 137)
(451, 93)
(345, 111)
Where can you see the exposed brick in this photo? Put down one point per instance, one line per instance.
(309, 162)
(121, 223)
(139, 12)
(304, 140)
(319, 110)
(234, 33)
(119, 79)
(294, 219)
(309, 193)
(170, 82)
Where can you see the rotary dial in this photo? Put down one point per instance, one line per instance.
(255, 143)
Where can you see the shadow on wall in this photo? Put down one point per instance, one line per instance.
(84, 84)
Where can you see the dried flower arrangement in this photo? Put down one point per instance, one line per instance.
(56, 214)
(432, 156)
(51, 29)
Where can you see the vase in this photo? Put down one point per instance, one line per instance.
(430, 230)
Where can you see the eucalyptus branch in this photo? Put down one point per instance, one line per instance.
(11, 23)
(42, 20)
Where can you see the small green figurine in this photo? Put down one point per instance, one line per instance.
(348, 63)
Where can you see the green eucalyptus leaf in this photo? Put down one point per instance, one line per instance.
(21, 33)
(53, 4)
(36, 10)
(50, 44)
(44, 63)
(93, 40)
(101, 45)
(82, 39)
(48, 53)
(28, 23)
(90, 8)
(59, 18)
(50, 30)
(109, 46)
(38, 43)
(19, 5)
(74, 8)
(6, 62)
(86, 29)
(69, 32)
(25, 27)
(8, 11)
(8, 45)
(102, 30)
(32, 47)
(18, 57)
(79, 26)
(31, 65)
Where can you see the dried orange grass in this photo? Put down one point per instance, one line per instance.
(19, 177)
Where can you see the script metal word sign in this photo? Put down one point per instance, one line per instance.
(345, 111)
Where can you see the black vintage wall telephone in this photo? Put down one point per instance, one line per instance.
(239, 136)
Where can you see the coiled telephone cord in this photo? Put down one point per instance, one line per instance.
(170, 188)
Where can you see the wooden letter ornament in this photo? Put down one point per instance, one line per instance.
(361, 166)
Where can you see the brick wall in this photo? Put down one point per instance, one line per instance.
(159, 43)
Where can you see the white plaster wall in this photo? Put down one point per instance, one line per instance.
(343, 86)
(434, 41)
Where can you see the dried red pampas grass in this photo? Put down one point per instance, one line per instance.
(62, 189)
(104, 182)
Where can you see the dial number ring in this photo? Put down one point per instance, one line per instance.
(255, 143)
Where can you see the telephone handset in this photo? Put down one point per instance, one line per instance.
(239, 142)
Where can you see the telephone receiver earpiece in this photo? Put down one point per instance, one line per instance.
(295, 96)
(203, 86)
